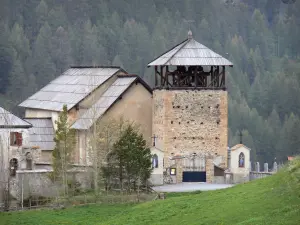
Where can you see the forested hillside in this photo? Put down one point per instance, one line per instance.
(39, 39)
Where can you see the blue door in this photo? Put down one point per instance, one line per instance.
(194, 176)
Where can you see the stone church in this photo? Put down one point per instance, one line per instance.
(183, 118)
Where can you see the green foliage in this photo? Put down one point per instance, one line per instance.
(131, 157)
(6, 58)
(64, 146)
(39, 39)
(273, 200)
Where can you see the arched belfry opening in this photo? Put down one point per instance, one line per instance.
(190, 109)
(190, 65)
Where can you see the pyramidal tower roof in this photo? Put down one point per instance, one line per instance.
(190, 53)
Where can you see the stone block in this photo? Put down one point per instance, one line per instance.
(191, 121)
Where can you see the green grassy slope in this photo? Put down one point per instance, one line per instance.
(273, 200)
(265, 201)
(91, 214)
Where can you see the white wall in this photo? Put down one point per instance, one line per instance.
(157, 173)
(39, 113)
(234, 161)
(8, 152)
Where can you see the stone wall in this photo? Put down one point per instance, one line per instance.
(188, 121)
(37, 183)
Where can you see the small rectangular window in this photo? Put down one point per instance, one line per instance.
(16, 139)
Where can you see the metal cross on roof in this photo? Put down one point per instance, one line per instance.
(189, 22)
(154, 140)
(241, 137)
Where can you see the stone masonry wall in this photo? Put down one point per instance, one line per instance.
(188, 121)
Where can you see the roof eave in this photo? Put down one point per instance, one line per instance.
(15, 126)
(140, 80)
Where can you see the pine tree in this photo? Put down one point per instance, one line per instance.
(17, 83)
(61, 50)
(41, 12)
(65, 142)
(133, 156)
(57, 18)
(43, 66)
(20, 42)
(91, 50)
(6, 58)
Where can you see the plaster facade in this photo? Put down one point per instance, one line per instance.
(157, 172)
(234, 160)
(135, 105)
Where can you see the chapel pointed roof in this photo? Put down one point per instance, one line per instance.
(190, 53)
(237, 146)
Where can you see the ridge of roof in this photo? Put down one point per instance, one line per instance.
(107, 100)
(70, 88)
(91, 67)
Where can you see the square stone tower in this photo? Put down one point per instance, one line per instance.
(190, 110)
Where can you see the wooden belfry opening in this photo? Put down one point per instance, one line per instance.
(190, 65)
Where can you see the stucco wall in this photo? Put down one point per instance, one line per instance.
(46, 156)
(157, 173)
(135, 105)
(39, 113)
(10, 152)
(234, 161)
(37, 183)
(188, 121)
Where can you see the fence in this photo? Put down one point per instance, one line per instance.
(34, 189)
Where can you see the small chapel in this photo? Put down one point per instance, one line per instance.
(183, 118)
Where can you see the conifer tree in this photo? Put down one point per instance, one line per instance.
(133, 156)
(64, 147)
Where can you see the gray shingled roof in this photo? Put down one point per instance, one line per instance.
(104, 103)
(69, 88)
(42, 133)
(9, 120)
(190, 53)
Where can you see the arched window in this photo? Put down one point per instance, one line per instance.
(13, 166)
(155, 161)
(241, 160)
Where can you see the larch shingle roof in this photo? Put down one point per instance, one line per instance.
(9, 120)
(109, 97)
(70, 88)
(190, 53)
(42, 133)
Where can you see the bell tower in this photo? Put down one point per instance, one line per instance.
(190, 108)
